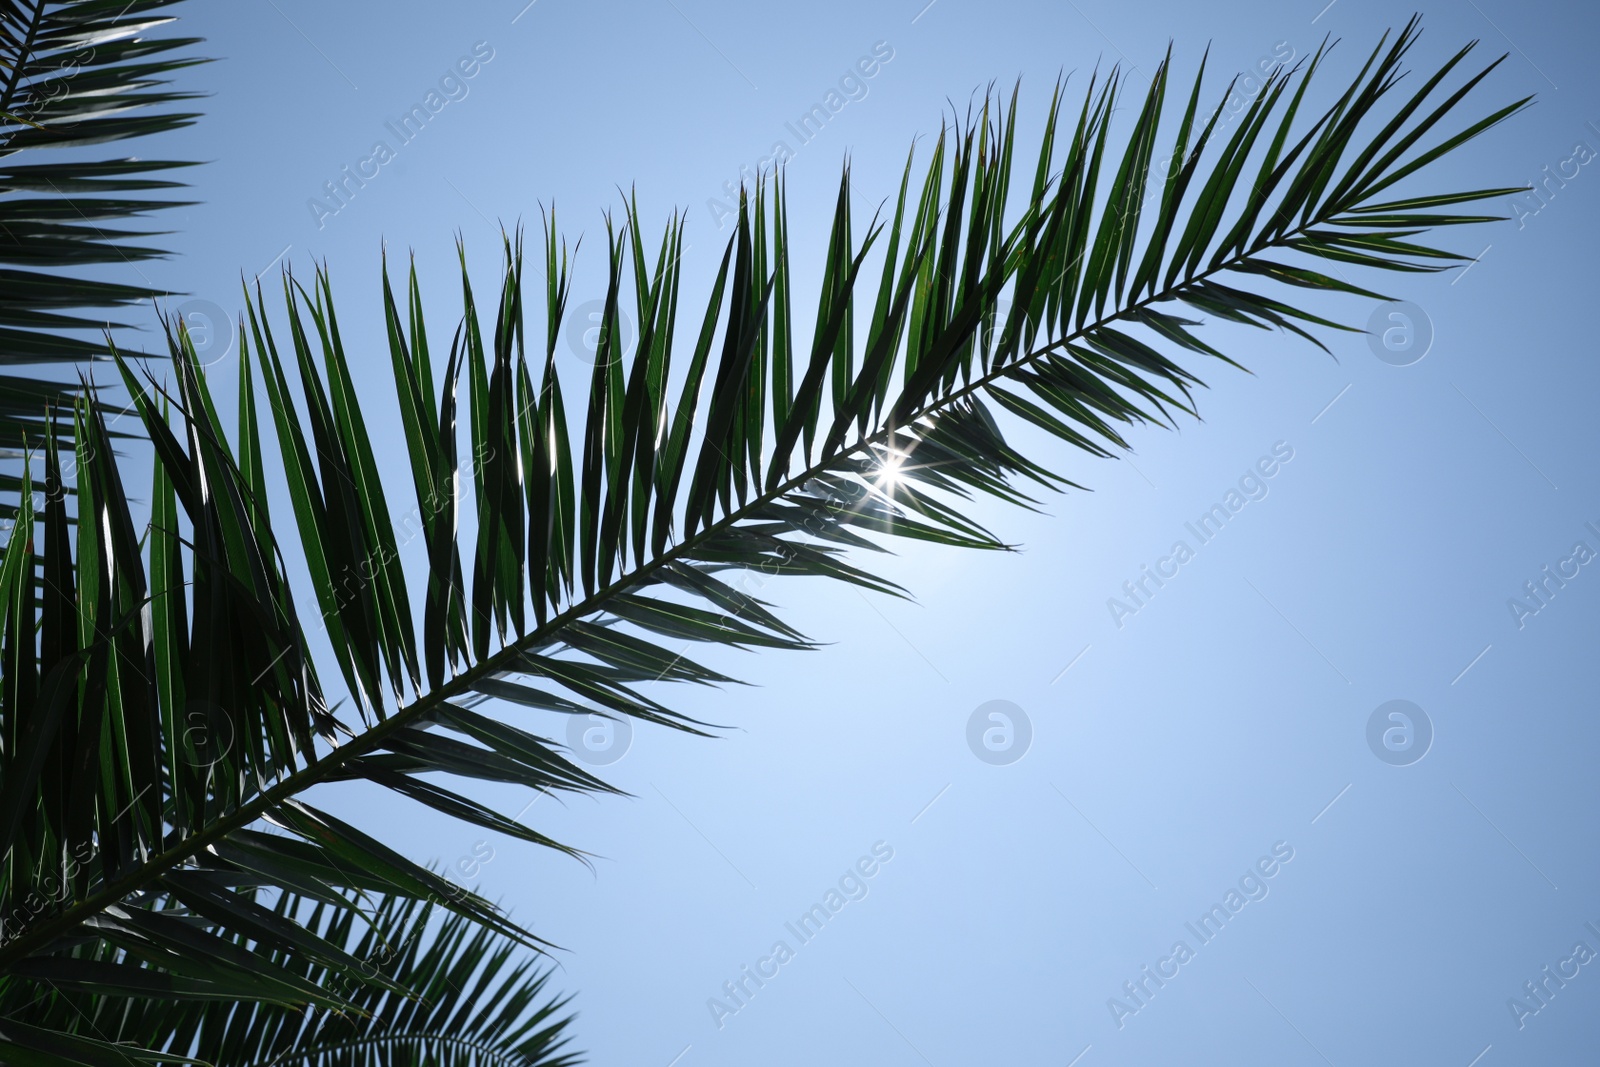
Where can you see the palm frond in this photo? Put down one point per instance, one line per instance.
(169, 708)
(75, 74)
(420, 989)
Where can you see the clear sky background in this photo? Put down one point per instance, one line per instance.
(1227, 717)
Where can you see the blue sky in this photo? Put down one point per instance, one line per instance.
(1172, 748)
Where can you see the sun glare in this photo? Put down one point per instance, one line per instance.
(889, 471)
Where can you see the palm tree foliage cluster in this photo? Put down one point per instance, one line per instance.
(170, 888)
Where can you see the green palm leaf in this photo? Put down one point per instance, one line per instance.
(164, 728)
(416, 989)
(74, 74)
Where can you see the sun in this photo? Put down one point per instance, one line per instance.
(889, 471)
